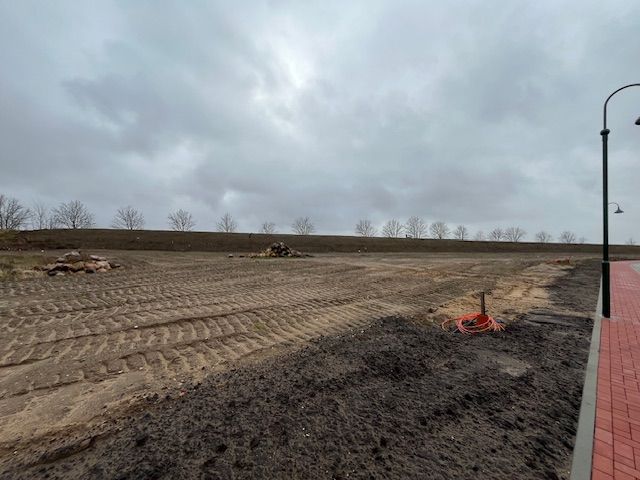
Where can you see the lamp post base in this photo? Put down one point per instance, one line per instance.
(606, 285)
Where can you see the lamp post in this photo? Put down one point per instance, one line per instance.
(606, 282)
(618, 209)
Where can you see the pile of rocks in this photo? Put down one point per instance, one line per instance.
(279, 249)
(75, 262)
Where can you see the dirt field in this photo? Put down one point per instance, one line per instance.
(78, 351)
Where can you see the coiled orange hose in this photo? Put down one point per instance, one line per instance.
(473, 323)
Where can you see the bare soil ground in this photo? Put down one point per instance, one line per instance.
(77, 352)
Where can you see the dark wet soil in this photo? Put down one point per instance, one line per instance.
(394, 400)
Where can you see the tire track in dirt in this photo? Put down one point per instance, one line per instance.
(180, 319)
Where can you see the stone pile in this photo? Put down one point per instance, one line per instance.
(279, 249)
(75, 262)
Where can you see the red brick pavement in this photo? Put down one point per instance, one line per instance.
(616, 449)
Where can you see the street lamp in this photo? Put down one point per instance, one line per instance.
(618, 210)
(606, 282)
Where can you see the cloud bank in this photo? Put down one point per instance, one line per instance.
(483, 113)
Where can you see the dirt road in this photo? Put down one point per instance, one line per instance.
(75, 350)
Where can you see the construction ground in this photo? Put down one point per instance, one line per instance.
(179, 348)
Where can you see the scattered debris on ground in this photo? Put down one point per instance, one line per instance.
(76, 262)
(561, 261)
(279, 249)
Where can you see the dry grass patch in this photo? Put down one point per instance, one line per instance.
(14, 267)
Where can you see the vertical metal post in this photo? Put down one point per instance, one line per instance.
(483, 310)
(606, 278)
(606, 283)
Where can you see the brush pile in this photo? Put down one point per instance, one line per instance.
(279, 249)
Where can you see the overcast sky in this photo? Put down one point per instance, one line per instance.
(484, 113)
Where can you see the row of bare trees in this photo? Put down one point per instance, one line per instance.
(564, 237)
(415, 227)
(14, 215)
(74, 214)
(183, 221)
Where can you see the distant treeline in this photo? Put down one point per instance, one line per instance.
(75, 215)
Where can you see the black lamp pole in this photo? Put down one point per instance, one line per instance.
(606, 282)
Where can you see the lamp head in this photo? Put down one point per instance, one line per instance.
(638, 121)
(619, 210)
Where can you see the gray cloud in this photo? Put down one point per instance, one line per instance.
(485, 113)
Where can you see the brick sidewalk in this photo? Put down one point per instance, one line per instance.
(616, 448)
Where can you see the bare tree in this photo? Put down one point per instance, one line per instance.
(227, 224)
(415, 227)
(582, 240)
(514, 234)
(567, 237)
(268, 228)
(392, 229)
(40, 218)
(480, 236)
(365, 228)
(128, 218)
(13, 215)
(543, 237)
(461, 233)
(303, 226)
(439, 230)
(51, 222)
(73, 215)
(181, 221)
(496, 234)
(631, 241)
